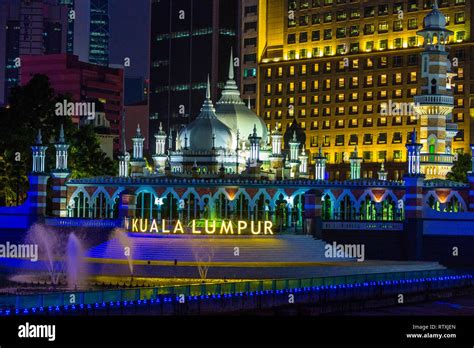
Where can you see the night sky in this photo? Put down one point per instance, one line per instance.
(129, 34)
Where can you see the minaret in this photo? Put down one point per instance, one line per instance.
(61, 152)
(294, 161)
(39, 155)
(276, 158)
(303, 157)
(137, 162)
(435, 102)
(414, 149)
(159, 158)
(254, 140)
(382, 173)
(320, 166)
(124, 160)
(59, 177)
(38, 180)
(355, 161)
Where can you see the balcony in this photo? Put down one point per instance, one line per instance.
(434, 99)
(427, 158)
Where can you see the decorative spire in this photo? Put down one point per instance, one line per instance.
(320, 151)
(139, 132)
(208, 89)
(61, 135)
(254, 130)
(294, 137)
(39, 138)
(413, 136)
(231, 65)
(248, 103)
(435, 5)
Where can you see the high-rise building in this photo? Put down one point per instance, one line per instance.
(28, 27)
(84, 82)
(348, 72)
(91, 31)
(70, 26)
(189, 38)
(99, 32)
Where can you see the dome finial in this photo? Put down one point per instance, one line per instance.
(208, 88)
(248, 103)
(161, 127)
(231, 65)
(61, 134)
(39, 137)
(435, 4)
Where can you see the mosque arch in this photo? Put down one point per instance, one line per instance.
(79, 204)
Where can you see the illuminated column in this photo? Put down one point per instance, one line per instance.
(355, 162)
(276, 141)
(59, 176)
(254, 140)
(303, 157)
(382, 173)
(39, 155)
(294, 161)
(413, 154)
(138, 162)
(159, 158)
(320, 166)
(38, 180)
(124, 161)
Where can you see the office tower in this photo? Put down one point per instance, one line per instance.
(28, 27)
(189, 40)
(84, 82)
(91, 31)
(348, 72)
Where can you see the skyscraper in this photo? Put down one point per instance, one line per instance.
(99, 32)
(347, 74)
(28, 27)
(189, 38)
(91, 31)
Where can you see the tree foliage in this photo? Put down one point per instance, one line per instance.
(460, 168)
(32, 107)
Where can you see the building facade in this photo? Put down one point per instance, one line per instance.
(28, 28)
(350, 71)
(84, 82)
(189, 38)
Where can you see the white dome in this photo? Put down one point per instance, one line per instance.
(206, 132)
(233, 112)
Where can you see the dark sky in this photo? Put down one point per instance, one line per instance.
(129, 34)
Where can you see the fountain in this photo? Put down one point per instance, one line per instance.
(62, 257)
(49, 248)
(74, 262)
(127, 243)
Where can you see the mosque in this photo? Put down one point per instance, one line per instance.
(227, 164)
(226, 139)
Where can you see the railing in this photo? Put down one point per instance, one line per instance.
(107, 296)
(435, 99)
(83, 222)
(437, 158)
(365, 225)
